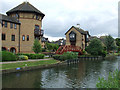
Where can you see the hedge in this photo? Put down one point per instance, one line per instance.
(66, 56)
(8, 56)
(33, 56)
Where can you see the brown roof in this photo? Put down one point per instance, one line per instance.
(9, 19)
(25, 7)
(79, 30)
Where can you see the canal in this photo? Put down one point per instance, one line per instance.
(81, 75)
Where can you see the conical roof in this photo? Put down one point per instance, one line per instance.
(25, 7)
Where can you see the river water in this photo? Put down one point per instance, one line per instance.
(81, 75)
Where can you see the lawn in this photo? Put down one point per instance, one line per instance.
(28, 64)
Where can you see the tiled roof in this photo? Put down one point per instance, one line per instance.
(8, 18)
(25, 7)
(79, 30)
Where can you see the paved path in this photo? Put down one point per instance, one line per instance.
(32, 60)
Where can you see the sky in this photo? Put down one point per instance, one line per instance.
(99, 17)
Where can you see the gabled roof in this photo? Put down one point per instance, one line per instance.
(79, 30)
(25, 7)
(9, 19)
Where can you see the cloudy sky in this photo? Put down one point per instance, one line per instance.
(99, 17)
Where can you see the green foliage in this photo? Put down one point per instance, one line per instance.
(117, 41)
(37, 47)
(66, 56)
(22, 57)
(8, 56)
(113, 81)
(37, 56)
(95, 47)
(118, 49)
(84, 52)
(33, 56)
(109, 43)
(52, 47)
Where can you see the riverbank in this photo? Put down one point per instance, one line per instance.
(9, 67)
(26, 65)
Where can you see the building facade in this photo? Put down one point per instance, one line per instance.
(20, 27)
(77, 37)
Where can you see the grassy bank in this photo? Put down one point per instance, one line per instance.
(28, 64)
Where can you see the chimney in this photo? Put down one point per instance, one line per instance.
(78, 26)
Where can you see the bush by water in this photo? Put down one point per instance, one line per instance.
(66, 56)
(8, 56)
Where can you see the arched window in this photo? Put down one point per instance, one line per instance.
(13, 50)
(4, 49)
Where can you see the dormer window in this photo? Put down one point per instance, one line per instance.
(16, 15)
(37, 17)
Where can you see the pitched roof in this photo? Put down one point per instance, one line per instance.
(25, 7)
(44, 39)
(79, 30)
(8, 18)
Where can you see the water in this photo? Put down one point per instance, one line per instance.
(82, 75)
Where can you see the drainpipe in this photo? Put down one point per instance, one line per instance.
(19, 36)
(19, 40)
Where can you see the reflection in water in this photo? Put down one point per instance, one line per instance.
(84, 74)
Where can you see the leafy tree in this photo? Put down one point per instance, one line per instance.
(118, 44)
(51, 46)
(95, 47)
(109, 43)
(37, 47)
(117, 41)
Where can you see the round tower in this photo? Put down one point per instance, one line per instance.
(30, 28)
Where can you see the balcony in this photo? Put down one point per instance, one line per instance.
(38, 32)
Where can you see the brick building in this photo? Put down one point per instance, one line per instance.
(77, 37)
(20, 27)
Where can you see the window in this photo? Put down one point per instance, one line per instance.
(11, 25)
(36, 27)
(13, 38)
(27, 37)
(16, 15)
(23, 37)
(72, 35)
(37, 17)
(5, 24)
(15, 26)
(3, 37)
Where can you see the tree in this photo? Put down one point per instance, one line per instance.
(109, 43)
(95, 47)
(118, 44)
(117, 41)
(36, 46)
(51, 46)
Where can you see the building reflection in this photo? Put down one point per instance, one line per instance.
(22, 80)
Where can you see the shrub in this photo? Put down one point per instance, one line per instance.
(8, 56)
(113, 81)
(65, 56)
(22, 57)
(33, 56)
